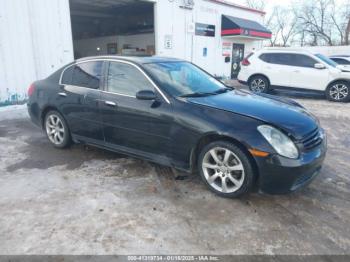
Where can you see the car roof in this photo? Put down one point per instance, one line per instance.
(133, 59)
(340, 56)
(284, 50)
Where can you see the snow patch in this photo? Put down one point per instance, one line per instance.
(13, 112)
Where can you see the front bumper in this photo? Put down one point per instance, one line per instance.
(280, 175)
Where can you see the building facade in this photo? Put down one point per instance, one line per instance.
(40, 36)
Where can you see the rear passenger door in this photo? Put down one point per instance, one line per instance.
(79, 100)
(277, 68)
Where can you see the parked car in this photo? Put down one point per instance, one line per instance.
(294, 69)
(172, 113)
(341, 60)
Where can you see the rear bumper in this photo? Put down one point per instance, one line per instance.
(33, 112)
(279, 175)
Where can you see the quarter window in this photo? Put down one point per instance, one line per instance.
(87, 74)
(125, 79)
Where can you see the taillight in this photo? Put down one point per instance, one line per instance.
(245, 62)
(31, 90)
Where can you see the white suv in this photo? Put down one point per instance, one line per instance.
(286, 68)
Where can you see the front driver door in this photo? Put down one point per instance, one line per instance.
(305, 75)
(141, 126)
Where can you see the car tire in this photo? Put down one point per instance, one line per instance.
(57, 130)
(338, 91)
(259, 84)
(226, 169)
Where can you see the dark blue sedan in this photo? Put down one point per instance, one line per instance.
(173, 113)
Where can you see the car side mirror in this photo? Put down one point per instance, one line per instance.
(320, 66)
(146, 95)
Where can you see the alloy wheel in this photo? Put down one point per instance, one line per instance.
(258, 85)
(223, 170)
(338, 91)
(55, 129)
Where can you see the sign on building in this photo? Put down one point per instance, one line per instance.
(168, 42)
(205, 30)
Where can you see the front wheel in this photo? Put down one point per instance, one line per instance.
(338, 92)
(259, 84)
(57, 130)
(226, 169)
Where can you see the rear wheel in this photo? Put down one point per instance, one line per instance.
(57, 130)
(259, 84)
(226, 169)
(338, 92)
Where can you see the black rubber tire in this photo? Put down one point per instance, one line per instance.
(250, 175)
(262, 78)
(343, 100)
(67, 141)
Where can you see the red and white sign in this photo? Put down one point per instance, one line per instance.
(226, 49)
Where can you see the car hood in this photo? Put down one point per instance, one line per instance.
(282, 113)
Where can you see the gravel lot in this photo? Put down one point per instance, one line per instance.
(89, 201)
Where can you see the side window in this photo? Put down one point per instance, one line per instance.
(282, 59)
(304, 61)
(87, 74)
(341, 61)
(277, 58)
(126, 79)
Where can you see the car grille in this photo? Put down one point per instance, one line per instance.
(312, 140)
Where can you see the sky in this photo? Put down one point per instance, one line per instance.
(271, 3)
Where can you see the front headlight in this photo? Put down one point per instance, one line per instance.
(283, 145)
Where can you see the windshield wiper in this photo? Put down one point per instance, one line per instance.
(198, 94)
(223, 90)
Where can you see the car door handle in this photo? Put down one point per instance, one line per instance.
(62, 94)
(110, 103)
(296, 71)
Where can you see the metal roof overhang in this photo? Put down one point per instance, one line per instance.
(239, 27)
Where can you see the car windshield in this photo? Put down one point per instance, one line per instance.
(184, 79)
(327, 60)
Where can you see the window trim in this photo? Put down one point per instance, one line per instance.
(120, 61)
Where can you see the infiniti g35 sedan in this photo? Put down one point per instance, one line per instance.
(173, 113)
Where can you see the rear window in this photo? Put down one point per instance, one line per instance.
(87, 74)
